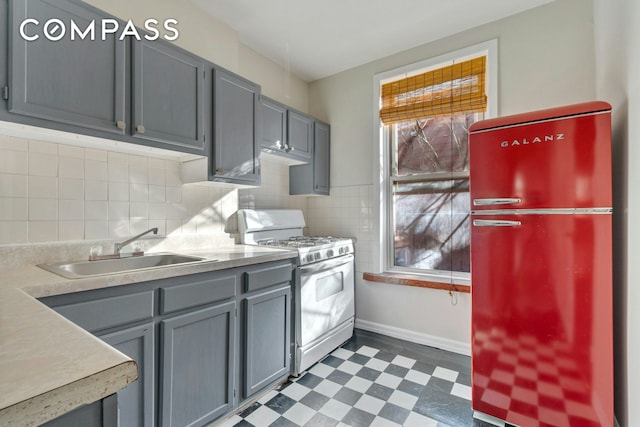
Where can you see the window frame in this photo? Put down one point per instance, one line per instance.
(383, 261)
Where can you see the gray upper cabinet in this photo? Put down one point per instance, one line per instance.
(73, 82)
(300, 135)
(313, 178)
(236, 147)
(168, 96)
(273, 126)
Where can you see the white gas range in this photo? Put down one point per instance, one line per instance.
(324, 308)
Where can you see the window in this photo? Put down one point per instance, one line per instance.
(424, 115)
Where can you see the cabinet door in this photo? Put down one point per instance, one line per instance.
(321, 158)
(300, 134)
(168, 97)
(77, 82)
(103, 413)
(136, 406)
(313, 178)
(197, 366)
(236, 154)
(273, 126)
(267, 319)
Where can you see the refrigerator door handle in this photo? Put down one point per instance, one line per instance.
(496, 201)
(495, 223)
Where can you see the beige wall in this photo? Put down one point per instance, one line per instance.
(618, 65)
(546, 58)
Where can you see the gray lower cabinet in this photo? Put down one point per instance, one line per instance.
(197, 366)
(136, 402)
(266, 326)
(236, 147)
(313, 178)
(198, 358)
(267, 355)
(168, 96)
(103, 413)
(78, 82)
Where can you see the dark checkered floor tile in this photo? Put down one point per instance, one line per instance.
(371, 381)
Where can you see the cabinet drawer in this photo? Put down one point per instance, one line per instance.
(109, 312)
(206, 291)
(266, 277)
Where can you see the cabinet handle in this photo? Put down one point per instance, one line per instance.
(140, 129)
(495, 223)
(496, 201)
(121, 124)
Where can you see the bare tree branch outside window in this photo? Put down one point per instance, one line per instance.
(431, 212)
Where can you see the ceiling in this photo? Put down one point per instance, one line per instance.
(315, 39)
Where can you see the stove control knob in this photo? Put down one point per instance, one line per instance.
(317, 255)
(330, 253)
(309, 257)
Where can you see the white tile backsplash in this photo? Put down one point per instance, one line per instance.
(43, 187)
(43, 231)
(13, 143)
(71, 189)
(43, 210)
(70, 210)
(96, 190)
(118, 210)
(96, 230)
(58, 192)
(16, 162)
(119, 191)
(96, 210)
(96, 170)
(43, 164)
(43, 147)
(71, 151)
(13, 209)
(13, 185)
(13, 232)
(71, 230)
(70, 167)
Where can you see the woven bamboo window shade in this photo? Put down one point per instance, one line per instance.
(456, 88)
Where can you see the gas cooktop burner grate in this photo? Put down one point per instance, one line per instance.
(302, 241)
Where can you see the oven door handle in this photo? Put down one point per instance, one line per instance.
(326, 265)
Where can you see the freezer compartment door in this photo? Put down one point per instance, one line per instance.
(561, 163)
(542, 319)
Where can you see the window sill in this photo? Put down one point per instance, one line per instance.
(414, 280)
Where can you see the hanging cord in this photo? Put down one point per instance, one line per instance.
(453, 294)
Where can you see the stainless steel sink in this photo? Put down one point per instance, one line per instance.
(79, 269)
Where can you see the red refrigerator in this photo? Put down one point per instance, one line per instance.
(541, 269)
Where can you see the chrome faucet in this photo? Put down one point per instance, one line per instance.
(118, 246)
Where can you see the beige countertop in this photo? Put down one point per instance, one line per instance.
(48, 365)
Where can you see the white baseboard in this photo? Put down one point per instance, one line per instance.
(416, 337)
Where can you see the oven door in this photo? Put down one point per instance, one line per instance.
(325, 299)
